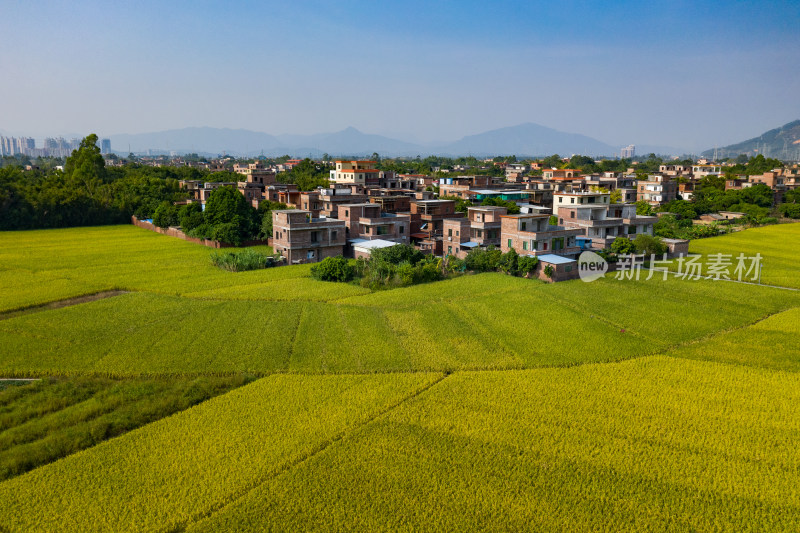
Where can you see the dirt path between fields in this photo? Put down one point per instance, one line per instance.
(62, 303)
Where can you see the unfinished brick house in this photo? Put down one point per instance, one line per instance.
(532, 234)
(600, 221)
(300, 238)
(485, 224)
(427, 217)
(456, 239)
(366, 221)
(392, 204)
(332, 198)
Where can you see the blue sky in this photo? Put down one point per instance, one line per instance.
(685, 74)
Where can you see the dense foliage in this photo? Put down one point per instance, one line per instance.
(494, 260)
(307, 175)
(85, 193)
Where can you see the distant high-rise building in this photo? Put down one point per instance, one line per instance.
(105, 146)
(628, 152)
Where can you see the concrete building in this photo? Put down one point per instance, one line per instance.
(628, 152)
(354, 172)
(300, 238)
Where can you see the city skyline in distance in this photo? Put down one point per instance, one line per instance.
(688, 75)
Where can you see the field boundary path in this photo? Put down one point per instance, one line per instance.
(58, 304)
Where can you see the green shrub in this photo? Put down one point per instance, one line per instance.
(649, 245)
(623, 245)
(333, 269)
(241, 261)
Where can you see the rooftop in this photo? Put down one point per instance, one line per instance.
(370, 245)
(554, 259)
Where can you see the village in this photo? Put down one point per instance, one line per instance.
(557, 213)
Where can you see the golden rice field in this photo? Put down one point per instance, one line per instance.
(484, 402)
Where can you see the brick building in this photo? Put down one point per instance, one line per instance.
(532, 234)
(300, 238)
(365, 221)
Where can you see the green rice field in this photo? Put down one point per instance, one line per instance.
(484, 402)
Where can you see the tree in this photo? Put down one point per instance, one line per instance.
(616, 196)
(190, 216)
(226, 205)
(623, 246)
(649, 245)
(644, 209)
(86, 165)
(166, 215)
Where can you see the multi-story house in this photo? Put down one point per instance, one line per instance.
(256, 173)
(657, 190)
(599, 220)
(355, 172)
(459, 186)
(311, 201)
(701, 171)
(300, 238)
(366, 221)
(427, 216)
(332, 198)
(532, 234)
(392, 204)
(456, 240)
(674, 170)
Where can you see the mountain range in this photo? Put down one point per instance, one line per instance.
(522, 140)
(781, 143)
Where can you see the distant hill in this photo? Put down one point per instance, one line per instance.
(523, 140)
(780, 143)
(529, 140)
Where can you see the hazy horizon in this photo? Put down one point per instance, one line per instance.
(688, 74)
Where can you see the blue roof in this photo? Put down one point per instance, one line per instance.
(469, 244)
(555, 259)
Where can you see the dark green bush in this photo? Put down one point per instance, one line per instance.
(333, 269)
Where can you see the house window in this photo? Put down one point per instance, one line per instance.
(572, 200)
(450, 250)
(449, 232)
(544, 246)
(333, 235)
(347, 212)
(402, 229)
(509, 243)
(524, 245)
(572, 214)
(524, 225)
